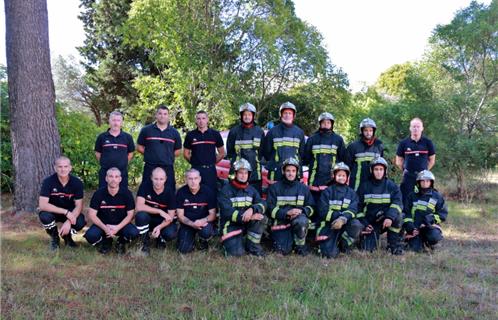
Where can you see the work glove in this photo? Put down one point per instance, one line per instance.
(429, 219)
(338, 223)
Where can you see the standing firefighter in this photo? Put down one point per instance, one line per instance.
(380, 209)
(323, 149)
(283, 141)
(337, 209)
(362, 151)
(290, 204)
(244, 141)
(242, 212)
(424, 211)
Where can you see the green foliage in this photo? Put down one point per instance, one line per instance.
(7, 170)
(78, 133)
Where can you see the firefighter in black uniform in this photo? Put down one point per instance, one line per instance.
(337, 209)
(361, 152)
(290, 205)
(244, 142)
(283, 141)
(322, 150)
(242, 213)
(61, 200)
(380, 209)
(424, 212)
(156, 211)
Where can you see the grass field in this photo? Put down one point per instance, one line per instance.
(458, 281)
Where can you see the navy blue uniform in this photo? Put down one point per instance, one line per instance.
(111, 210)
(195, 206)
(337, 201)
(164, 201)
(359, 154)
(62, 197)
(203, 147)
(428, 208)
(234, 199)
(244, 142)
(114, 153)
(321, 152)
(160, 146)
(280, 143)
(380, 200)
(282, 197)
(416, 158)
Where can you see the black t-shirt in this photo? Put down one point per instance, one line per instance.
(112, 209)
(195, 206)
(59, 195)
(160, 145)
(416, 153)
(203, 146)
(164, 201)
(114, 150)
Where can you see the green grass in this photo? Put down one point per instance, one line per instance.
(458, 281)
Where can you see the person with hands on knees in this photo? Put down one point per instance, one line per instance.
(242, 212)
(380, 209)
(156, 211)
(196, 210)
(111, 211)
(290, 205)
(61, 200)
(337, 208)
(424, 212)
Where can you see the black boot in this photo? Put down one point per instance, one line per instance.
(105, 245)
(68, 241)
(145, 244)
(121, 246)
(54, 238)
(160, 243)
(255, 249)
(203, 245)
(302, 250)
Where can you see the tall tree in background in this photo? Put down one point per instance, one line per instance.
(34, 133)
(110, 64)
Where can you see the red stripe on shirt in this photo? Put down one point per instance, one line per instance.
(62, 194)
(204, 142)
(113, 207)
(162, 139)
(156, 203)
(195, 204)
(420, 151)
(115, 145)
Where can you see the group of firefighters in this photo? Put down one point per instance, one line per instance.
(348, 201)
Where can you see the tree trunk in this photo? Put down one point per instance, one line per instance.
(35, 137)
(461, 190)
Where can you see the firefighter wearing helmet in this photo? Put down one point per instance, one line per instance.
(360, 152)
(283, 141)
(244, 142)
(242, 214)
(339, 229)
(424, 211)
(380, 209)
(290, 205)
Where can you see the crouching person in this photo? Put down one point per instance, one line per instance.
(111, 211)
(156, 211)
(380, 209)
(338, 205)
(242, 213)
(424, 211)
(196, 209)
(61, 200)
(290, 204)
